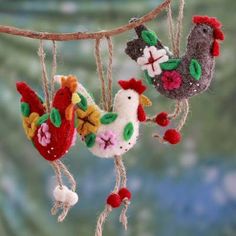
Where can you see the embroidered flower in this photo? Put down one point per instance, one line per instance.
(74, 138)
(171, 80)
(106, 140)
(44, 136)
(29, 124)
(88, 121)
(151, 59)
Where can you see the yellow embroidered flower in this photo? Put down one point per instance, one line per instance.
(29, 124)
(88, 121)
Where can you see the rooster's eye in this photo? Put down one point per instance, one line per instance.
(205, 30)
(129, 97)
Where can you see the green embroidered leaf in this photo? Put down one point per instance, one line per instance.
(148, 78)
(42, 119)
(90, 140)
(76, 122)
(195, 69)
(83, 105)
(55, 117)
(25, 109)
(108, 118)
(128, 131)
(149, 37)
(171, 64)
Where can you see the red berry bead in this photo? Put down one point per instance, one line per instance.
(172, 136)
(125, 193)
(114, 200)
(162, 119)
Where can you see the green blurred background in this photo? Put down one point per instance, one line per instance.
(185, 190)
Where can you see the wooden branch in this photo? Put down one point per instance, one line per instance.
(83, 35)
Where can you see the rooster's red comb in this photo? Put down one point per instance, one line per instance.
(133, 84)
(212, 21)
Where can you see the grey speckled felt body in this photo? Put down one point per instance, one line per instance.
(199, 47)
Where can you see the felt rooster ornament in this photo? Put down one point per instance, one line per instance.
(183, 77)
(52, 134)
(112, 134)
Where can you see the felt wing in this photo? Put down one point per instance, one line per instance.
(30, 98)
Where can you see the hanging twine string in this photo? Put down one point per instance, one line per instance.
(68, 175)
(100, 73)
(177, 110)
(123, 216)
(101, 220)
(109, 72)
(121, 181)
(118, 174)
(179, 27)
(54, 68)
(42, 56)
(57, 172)
(185, 105)
(108, 209)
(106, 87)
(171, 28)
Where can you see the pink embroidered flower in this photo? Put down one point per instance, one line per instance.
(151, 59)
(106, 140)
(171, 80)
(74, 138)
(44, 136)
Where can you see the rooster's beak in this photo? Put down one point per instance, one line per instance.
(145, 101)
(75, 98)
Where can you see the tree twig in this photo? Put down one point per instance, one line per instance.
(84, 35)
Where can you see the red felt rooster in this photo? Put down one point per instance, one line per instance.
(52, 133)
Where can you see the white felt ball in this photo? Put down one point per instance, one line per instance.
(71, 198)
(60, 193)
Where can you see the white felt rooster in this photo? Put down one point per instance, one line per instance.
(109, 134)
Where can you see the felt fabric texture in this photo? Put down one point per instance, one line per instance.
(162, 119)
(113, 133)
(52, 134)
(125, 193)
(114, 200)
(66, 196)
(172, 136)
(195, 67)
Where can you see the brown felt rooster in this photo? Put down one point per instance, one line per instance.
(178, 78)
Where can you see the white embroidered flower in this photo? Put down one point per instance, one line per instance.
(151, 59)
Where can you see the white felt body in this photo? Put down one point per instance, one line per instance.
(127, 112)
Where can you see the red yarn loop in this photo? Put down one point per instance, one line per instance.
(114, 200)
(172, 136)
(125, 193)
(162, 119)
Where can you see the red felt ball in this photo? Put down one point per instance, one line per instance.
(162, 119)
(114, 200)
(125, 193)
(172, 136)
